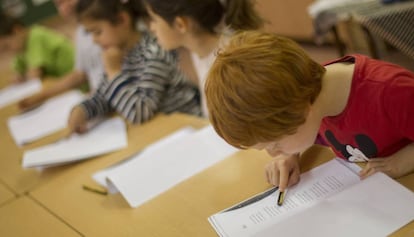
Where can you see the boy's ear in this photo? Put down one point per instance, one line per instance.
(123, 18)
(182, 24)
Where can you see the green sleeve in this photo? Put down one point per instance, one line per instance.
(36, 53)
(19, 64)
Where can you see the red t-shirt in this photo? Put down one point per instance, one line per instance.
(378, 119)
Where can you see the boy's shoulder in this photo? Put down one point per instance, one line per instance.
(38, 31)
(151, 49)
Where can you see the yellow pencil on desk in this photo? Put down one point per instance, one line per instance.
(281, 198)
(94, 190)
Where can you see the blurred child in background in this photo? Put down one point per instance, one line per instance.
(200, 27)
(88, 64)
(140, 78)
(39, 52)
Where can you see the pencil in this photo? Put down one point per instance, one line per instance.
(281, 198)
(102, 192)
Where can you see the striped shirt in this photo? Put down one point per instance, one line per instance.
(149, 83)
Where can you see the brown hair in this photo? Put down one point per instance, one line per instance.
(238, 14)
(260, 87)
(109, 9)
(8, 24)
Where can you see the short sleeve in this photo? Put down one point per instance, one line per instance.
(35, 51)
(399, 103)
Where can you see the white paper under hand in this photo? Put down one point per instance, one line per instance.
(108, 136)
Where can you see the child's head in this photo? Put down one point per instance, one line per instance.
(12, 34)
(66, 8)
(170, 18)
(260, 89)
(110, 21)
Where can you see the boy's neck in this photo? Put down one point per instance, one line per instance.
(133, 39)
(204, 44)
(336, 87)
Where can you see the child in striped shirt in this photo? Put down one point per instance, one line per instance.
(141, 79)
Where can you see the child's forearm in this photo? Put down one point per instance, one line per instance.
(96, 106)
(34, 73)
(69, 81)
(405, 164)
(397, 165)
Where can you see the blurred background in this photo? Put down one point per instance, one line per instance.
(327, 29)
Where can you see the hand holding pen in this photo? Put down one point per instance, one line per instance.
(283, 171)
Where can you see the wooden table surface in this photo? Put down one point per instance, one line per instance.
(52, 202)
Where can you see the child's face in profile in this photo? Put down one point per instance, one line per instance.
(13, 43)
(66, 8)
(168, 36)
(291, 144)
(105, 34)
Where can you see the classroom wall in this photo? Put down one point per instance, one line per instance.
(30, 11)
(288, 18)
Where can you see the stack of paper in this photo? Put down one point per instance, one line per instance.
(329, 200)
(177, 158)
(47, 118)
(16, 92)
(108, 136)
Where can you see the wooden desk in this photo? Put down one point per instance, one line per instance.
(181, 211)
(11, 171)
(96, 215)
(5, 194)
(25, 217)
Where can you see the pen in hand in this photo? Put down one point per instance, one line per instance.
(281, 198)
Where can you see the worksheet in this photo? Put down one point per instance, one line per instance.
(108, 136)
(329, 200)
(49, 117)
(156, 170)
(18, 91)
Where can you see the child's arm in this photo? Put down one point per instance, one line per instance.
(399, 110)
(397, 165)
(19, 66)
(77, 121)
(34, 73)
(98, 105)
(70, 81)
(133, 93)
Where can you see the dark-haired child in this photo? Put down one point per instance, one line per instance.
(39, 52)
(140, 79)
(200, 27)
(88, 66)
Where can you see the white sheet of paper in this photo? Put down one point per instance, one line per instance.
(108, 136)
(158, 170)
(330, 200)
(45, 119)
(101, 176)
(16, 92)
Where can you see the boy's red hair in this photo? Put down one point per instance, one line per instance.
(260, 87)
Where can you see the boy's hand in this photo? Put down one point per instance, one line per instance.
(31, 101)
(112, 60)
(77, 120)
(397, 165)
(34, 73)
(18, 79)
(283, 171)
